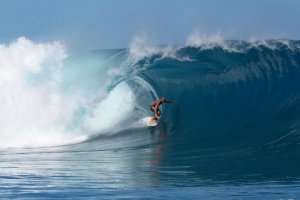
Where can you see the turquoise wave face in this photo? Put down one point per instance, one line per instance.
(236, 113)
(238, 94)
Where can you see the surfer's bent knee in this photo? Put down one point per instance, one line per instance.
(152, 108)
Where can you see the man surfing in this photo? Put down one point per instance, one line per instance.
(154, 107)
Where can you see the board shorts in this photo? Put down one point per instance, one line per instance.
(152, 109)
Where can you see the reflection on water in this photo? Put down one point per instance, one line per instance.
(141, 164)
(161, 133)
(114, 163)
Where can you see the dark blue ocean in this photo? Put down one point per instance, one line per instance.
(74, 126)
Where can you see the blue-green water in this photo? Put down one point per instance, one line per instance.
(234, 132)
(144, 172)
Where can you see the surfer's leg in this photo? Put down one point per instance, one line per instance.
(152, 109)
(158, 113)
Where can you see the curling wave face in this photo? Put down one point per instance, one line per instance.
(230, 94)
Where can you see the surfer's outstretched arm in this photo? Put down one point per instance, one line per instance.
(168, 101)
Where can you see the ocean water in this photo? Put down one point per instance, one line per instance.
(74, 126)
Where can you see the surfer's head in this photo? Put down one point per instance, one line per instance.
(162, 99)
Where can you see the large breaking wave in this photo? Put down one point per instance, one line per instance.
(227, 93)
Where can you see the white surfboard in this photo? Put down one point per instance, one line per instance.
(152, 121)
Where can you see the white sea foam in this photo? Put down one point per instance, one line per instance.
(272, 44)
(142, 47)
(108, 116)
(201, 40)
(33, 112)
(204, 41)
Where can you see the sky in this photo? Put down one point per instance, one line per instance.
(104, 24)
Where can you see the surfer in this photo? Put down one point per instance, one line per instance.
(154, 107)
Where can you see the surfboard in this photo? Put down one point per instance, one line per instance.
(152, 121)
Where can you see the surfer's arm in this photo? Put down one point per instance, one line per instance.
(168, 101)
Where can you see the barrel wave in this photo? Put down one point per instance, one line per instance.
(235, 100)
(237, 107)
(244, 94)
